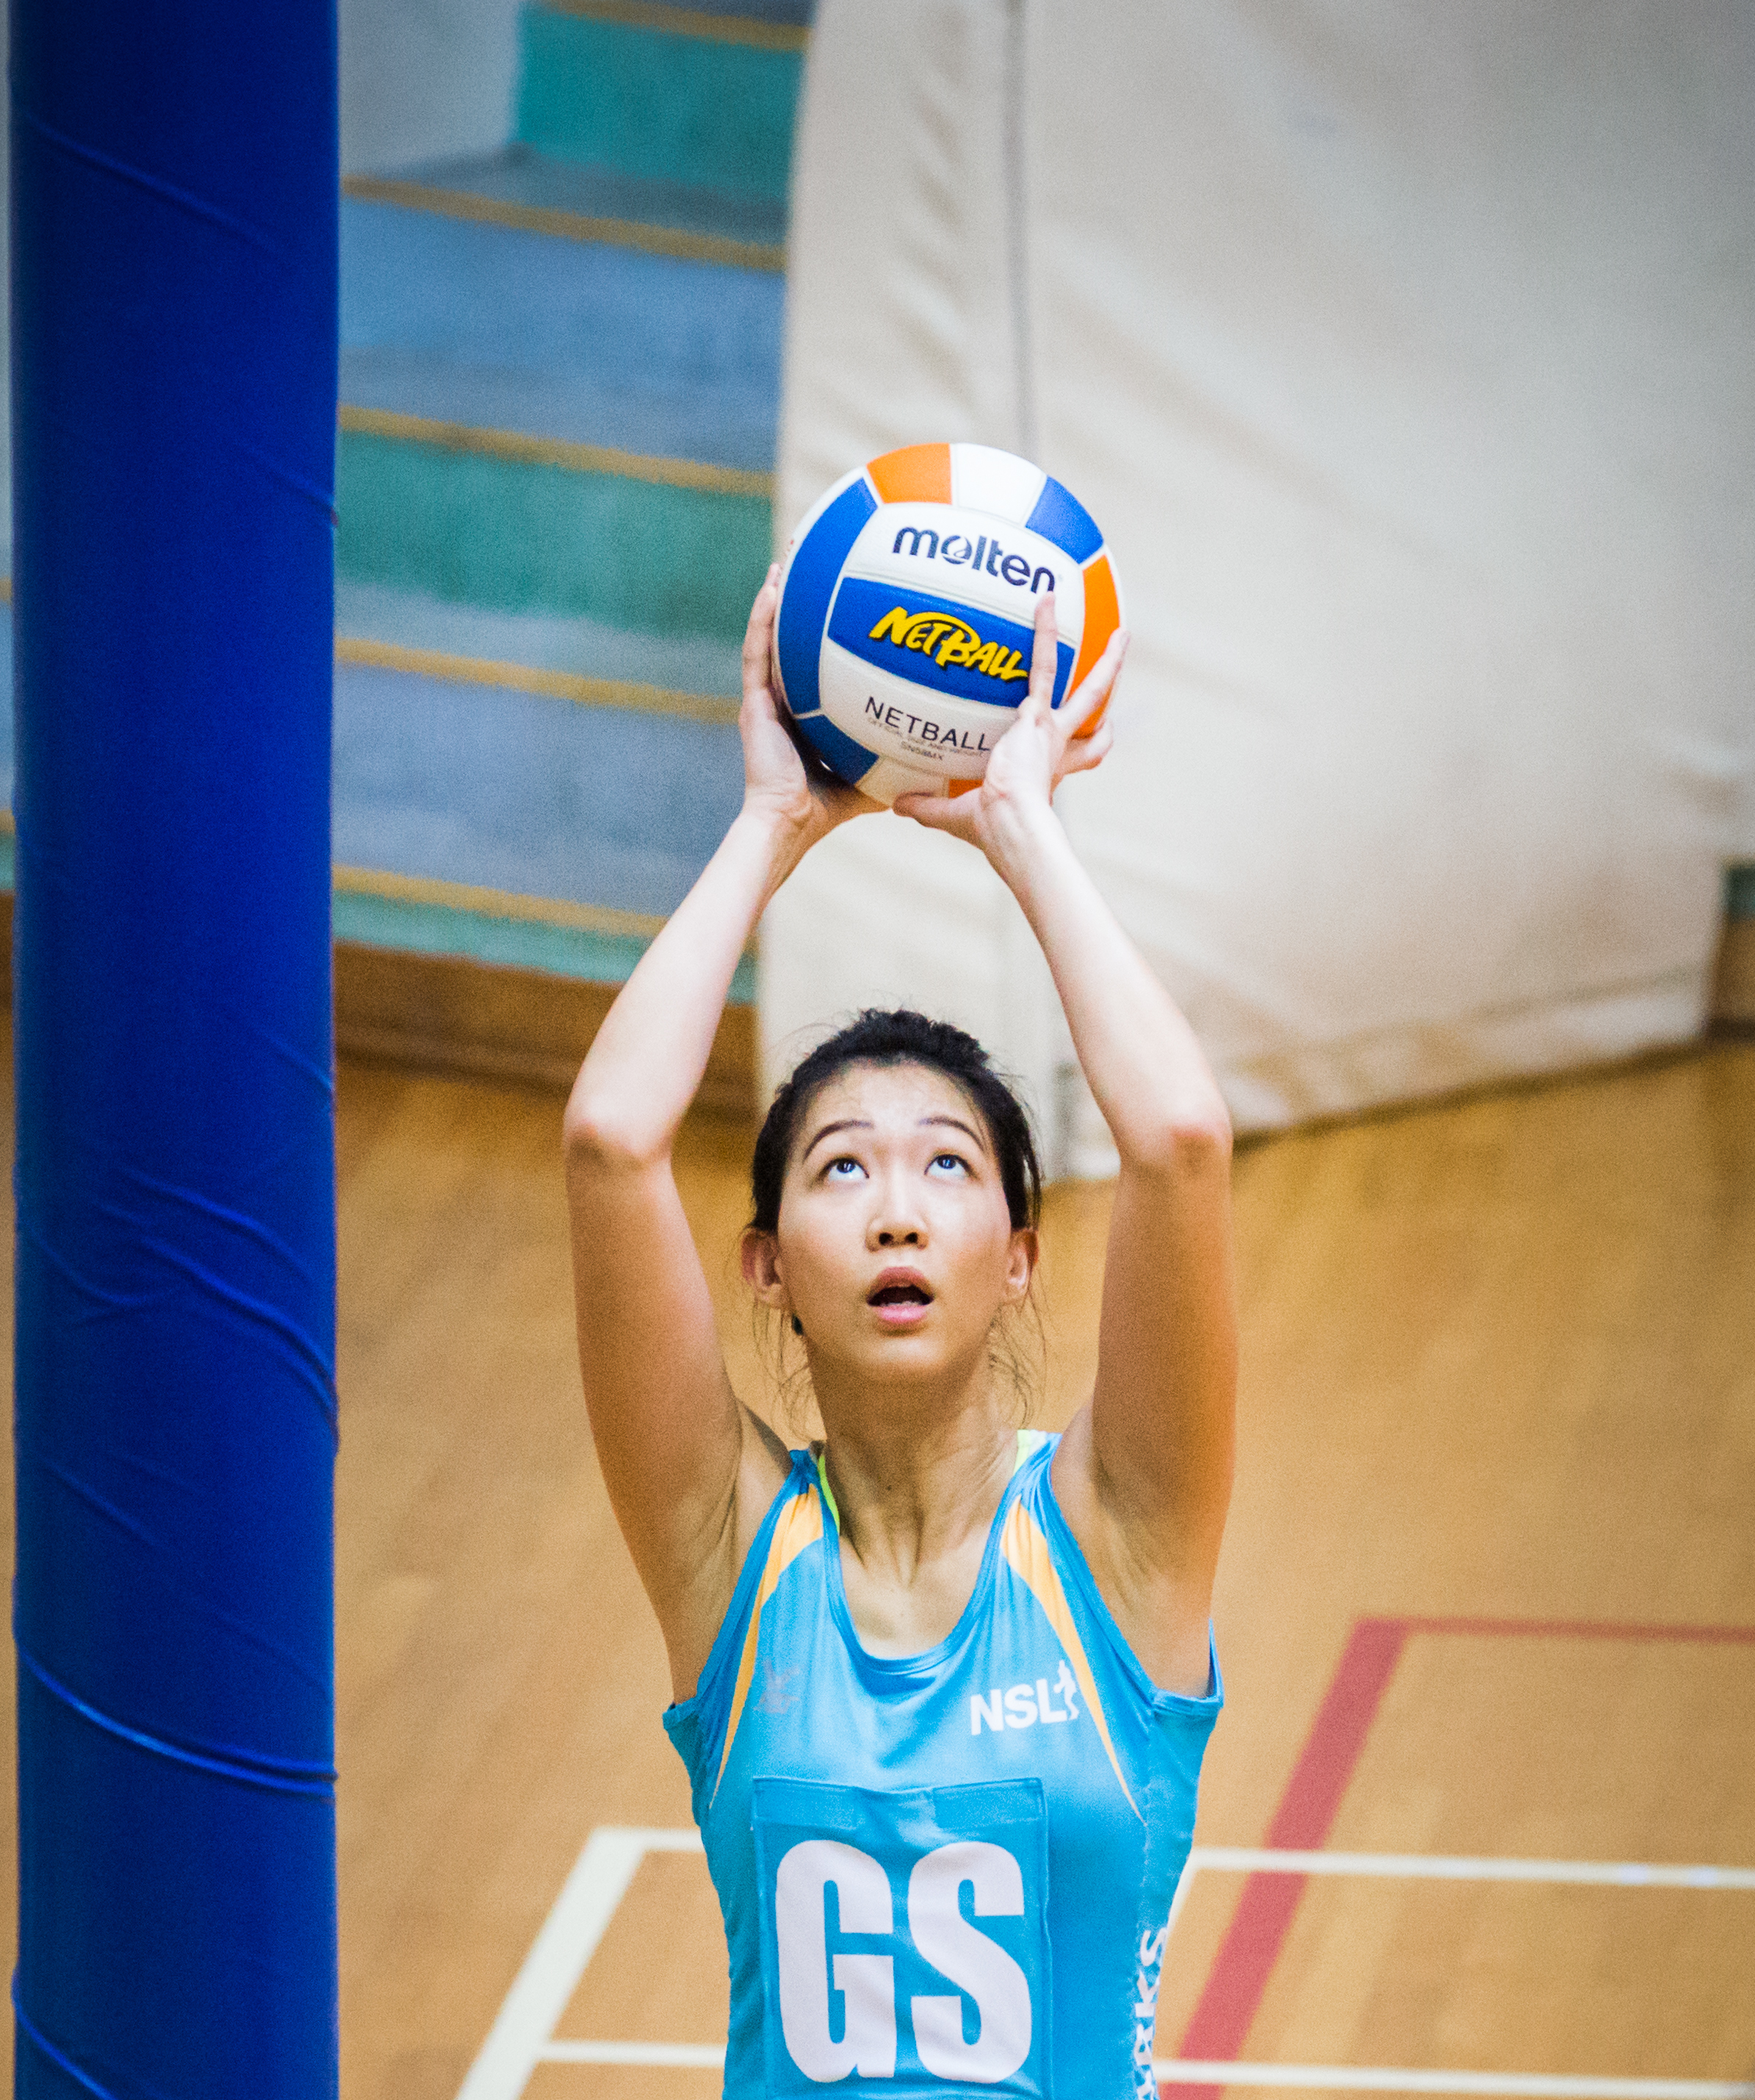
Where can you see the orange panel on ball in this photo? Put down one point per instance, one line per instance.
(917, 474)
(1102, 617)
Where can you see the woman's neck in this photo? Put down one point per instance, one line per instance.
(912, 1491)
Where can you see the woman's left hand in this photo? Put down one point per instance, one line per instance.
(780, 774)
(1037, 753)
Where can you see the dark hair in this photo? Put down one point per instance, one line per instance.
(901, 1037)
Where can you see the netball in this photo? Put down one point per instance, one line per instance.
(903, 643)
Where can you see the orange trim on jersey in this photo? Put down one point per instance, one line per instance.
(1103, 616)
(800, 1524)
(917, 474)
(1026, 1552)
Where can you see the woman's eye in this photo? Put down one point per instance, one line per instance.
(949, 1163)
(843, 1170)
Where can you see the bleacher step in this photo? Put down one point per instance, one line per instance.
(700, 667)
(520, 187)
(677, 96)
(503, 328)
(527, 793)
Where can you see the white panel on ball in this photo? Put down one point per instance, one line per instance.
(999, 483)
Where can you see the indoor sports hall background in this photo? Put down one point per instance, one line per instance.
(1403, 353)
(1401, 356)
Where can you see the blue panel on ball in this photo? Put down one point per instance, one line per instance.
(809, 585)
(852, 761)
(1061, 517)
(942, 646)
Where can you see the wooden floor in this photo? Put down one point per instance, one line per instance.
(1499, 1369)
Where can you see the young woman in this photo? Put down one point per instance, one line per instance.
(942, 1688)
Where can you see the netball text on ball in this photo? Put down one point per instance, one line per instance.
(948, 641)
(923, 728)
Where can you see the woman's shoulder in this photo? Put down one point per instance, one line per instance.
(1062, 1564)
(791, 1520)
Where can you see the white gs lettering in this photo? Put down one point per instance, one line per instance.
(868, 2033)
(980, 1968)
(971, 1960)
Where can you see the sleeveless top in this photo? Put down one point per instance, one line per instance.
(948, 1873)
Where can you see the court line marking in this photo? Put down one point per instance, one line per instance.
(661, 2055)
(1434, 1866)
(1176, 2071)
(1534, 2086)
(589, 1898)
(522, 2037)
(1235, 1984)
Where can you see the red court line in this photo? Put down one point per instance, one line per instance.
(1264, 1911)
(1221, 2021)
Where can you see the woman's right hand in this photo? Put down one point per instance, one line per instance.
(781, 776)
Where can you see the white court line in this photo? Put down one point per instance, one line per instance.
(669, 2055)
(522, 2036)
(1429, 1866)
(588, 1899)
(1180, 2070)
(1530, 2085)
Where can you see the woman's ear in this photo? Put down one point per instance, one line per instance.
(1021, 1263)
(759, 1256)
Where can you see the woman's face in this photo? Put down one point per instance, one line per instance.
(895, 1249)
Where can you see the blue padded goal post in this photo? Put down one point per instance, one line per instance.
(174, 209)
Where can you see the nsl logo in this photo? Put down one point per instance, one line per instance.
(977, 1966)
(949, 641)
(1023, 1706)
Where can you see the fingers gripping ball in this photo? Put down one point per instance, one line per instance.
(903, 642)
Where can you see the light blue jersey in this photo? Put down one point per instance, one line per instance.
(947, 1873)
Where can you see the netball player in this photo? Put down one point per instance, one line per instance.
(942, 1688)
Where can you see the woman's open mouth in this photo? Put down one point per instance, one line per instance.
(900, 1298)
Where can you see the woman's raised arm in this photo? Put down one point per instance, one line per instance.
(1144, 1474)
(689, 1471)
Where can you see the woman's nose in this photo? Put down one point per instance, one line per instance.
(896, 1221)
